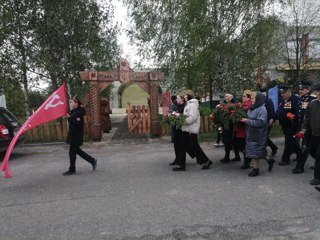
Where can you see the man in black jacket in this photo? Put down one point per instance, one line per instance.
(286, 115)
(312, 123)
(304, 99)
(271, 116)
(75, 136)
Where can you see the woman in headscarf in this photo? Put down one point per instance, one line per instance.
(257, 133)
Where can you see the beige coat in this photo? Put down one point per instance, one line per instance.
(191, 111)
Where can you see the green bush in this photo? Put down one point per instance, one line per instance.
(276, 131)
(205, 111)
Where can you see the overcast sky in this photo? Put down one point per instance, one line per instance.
(128, 50)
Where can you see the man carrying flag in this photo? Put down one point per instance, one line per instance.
(54, 107)
(75, 136)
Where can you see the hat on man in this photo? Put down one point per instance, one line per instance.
(316, 85)
(304, 84)
(76, 99)
(284, 88)
(189, 92)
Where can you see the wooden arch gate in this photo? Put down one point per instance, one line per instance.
(98, 81)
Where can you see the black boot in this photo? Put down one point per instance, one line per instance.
(94, 164)
(254, 172)
(68, 173)
(225, 160)
(207, 165)
(274, 151)
(246, 163)
(270, 161)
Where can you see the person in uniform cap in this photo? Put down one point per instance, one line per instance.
(304, 99)
(287, 116)
(311, 123)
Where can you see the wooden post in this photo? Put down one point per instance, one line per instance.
(95, 127)
(154, 107)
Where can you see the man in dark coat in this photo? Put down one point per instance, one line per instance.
(271, 116)
(75, 136)
(287, 116)
(312, 123)
(304, 99)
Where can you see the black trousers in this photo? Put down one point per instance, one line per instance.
(178, 137)
(238, 145)
(190, 140)
(290, 145)
(315, 152)
(218, 135)
(270, 143)
(304, 152)
(73, 151)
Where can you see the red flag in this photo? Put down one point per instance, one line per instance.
(54, 107)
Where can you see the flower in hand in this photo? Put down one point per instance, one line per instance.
(243, 120)
(175, 113)
(299, 135)
(290, 116)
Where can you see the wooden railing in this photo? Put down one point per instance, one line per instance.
(55, 131)
(138, 119)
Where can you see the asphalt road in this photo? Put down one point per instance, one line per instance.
(134, 195)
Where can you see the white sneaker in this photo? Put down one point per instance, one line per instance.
(216, 144)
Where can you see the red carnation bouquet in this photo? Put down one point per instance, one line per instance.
(300, 138)
(226, 114)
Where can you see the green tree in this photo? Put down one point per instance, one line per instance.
(299, 34)
(74, 35)
(13, 94)
(17, 47)
(52, 41)
(204, 45)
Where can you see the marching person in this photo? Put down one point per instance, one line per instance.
(190, 132)
(240, 131)
(227, 135)
(271, 116)
(178, 132)
(287, 116)
(304, 99)
(311, 123)
(75, 136)
(173, 108)
(257, 133)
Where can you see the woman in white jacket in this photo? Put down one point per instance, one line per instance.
(190, 131)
